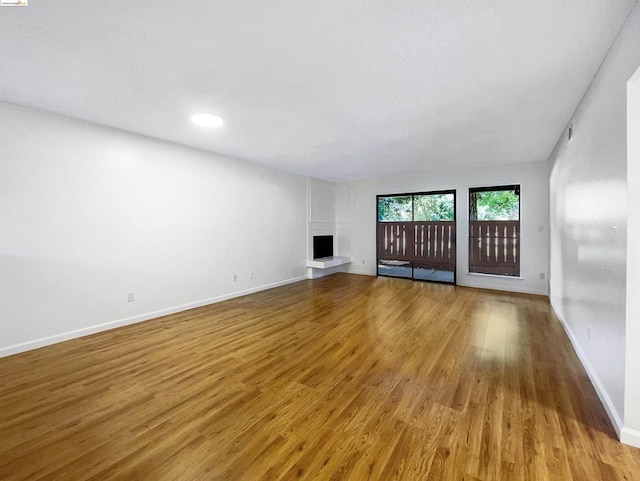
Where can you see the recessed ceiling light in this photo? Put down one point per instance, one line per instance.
(207, 120)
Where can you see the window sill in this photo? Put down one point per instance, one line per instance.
(498, 276)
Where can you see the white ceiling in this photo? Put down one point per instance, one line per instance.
(340, 90)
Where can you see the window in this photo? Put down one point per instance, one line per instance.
(494, 230)
(416, 236)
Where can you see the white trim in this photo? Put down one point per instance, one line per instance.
(314, 273)
(353, 270)
(327, 262)
(497, 276)
(630, 436)
(85, 331)
(632, 327)
(602, 393)
(519, 290)
(360, 272)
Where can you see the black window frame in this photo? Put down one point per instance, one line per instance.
(455, 221)
(517, 188)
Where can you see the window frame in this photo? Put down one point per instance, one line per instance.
(496, 188)
(455, 221)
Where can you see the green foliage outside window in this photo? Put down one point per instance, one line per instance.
(394, 209)
(495, 205)
(487, 205)
(425, 207)
(433, 207)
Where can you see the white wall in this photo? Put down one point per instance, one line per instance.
(534, 200)
(343, 220)
(631, 430)
(322, 219)
(88, 214)
(329, 214)
(589, 223)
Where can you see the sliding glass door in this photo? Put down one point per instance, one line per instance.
(416, 236)
(435, 237)
(395, 236)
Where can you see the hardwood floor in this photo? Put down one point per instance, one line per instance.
(344, 377)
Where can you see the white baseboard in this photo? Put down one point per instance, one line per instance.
(361, 272)
(519, 290)
(613, 414)
(630, 436)
(85, 331)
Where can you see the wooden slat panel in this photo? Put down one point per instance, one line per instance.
(395, 240)
(494, 237)
(454, 249)
(437, 247)
(472, 252)
(427, 243)
(477, 243)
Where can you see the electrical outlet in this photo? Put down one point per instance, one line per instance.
(235, 277)
(589, 333)
(540, 228)
(542, 276)
(131, 297)
(252, 275)
(363, 261)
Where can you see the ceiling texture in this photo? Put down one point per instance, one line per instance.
(340, 90)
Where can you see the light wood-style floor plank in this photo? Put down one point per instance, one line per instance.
(345, 377)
